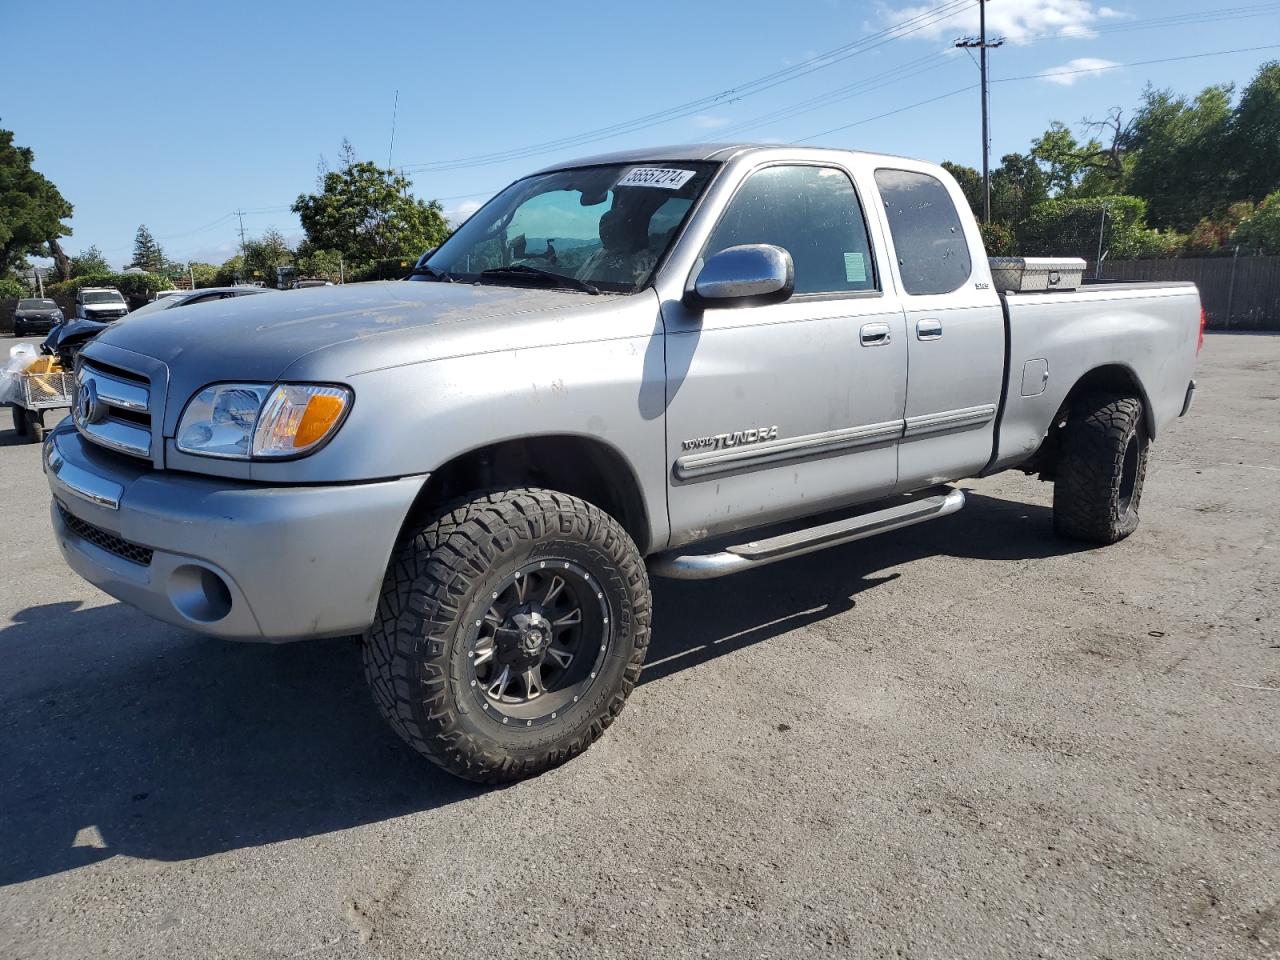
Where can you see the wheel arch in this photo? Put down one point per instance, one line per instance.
(581, 466)
(1111, 377)
(1117, 378)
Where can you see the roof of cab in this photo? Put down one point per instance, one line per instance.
(684, 151)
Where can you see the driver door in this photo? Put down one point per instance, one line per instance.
(787, 409)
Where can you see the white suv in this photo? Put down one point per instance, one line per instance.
(100, 303)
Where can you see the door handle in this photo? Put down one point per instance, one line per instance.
(875, 334)
(929, 330)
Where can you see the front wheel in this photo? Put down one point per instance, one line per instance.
(1101, 470)
(510, 631)
(20, 424)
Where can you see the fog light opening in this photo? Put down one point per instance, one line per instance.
(199, 594)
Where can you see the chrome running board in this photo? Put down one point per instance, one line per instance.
(758, 553)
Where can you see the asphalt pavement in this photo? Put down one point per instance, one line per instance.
(962, 740)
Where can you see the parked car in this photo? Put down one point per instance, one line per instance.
(35, 315)
(103, 304)
(688, 362)
(186, 298)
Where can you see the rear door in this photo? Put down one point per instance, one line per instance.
(790, 408)
(954, 329)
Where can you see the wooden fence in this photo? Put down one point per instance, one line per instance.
(1239, 293)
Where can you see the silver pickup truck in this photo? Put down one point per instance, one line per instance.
(689, 362)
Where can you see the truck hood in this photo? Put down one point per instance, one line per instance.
(353, 327)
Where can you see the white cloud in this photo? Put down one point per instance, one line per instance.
(1018, 21)
(1077, 69)
(460, 211)
(707, 121)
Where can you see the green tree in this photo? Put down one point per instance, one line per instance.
(264, 255)
(147, 253)
(1097, 167)
(1254, 144)
(970, 181)
(89, 261)
(1017, 185)
(205, 274)
(367, 213)
(315, 263)
(1180, 167)
(1260, 233)
(31, 208)
(231, 272)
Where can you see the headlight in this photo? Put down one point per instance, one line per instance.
(241, 421)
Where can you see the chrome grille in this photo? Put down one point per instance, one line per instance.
(113, 408)
(124, 549)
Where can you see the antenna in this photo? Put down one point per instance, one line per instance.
(394, 110)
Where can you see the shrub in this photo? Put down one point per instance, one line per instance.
(1070, 228)
(1260, 232)
(134, 286)
(11, 288)
(999, 240)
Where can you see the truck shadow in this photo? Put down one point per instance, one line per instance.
(125, 736)
(699, 621)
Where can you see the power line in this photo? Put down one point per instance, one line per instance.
(822, 61)
(938, 59)
(1049, 74)
(1036, 76)
(207, 226)
(889, 113)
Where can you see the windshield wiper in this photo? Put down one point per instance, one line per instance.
(559, 279)
(425, 271)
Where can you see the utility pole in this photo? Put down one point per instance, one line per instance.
(240, 214)
(983, 45)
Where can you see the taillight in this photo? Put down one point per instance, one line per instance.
(1200, 342)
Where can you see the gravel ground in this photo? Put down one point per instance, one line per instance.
(966, 739)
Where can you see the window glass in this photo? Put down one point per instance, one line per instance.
(933, 254)
(607, 225)
(811, 212)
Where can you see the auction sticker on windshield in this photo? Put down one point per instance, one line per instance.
(668, 179)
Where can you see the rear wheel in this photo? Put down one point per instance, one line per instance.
(510, 631)
(35, 425)
(19, 420)
(1101, 470)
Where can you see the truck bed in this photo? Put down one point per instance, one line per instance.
(1147, 331)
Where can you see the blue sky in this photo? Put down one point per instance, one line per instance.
(175, 114)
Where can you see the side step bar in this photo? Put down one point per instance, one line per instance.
(758, 553)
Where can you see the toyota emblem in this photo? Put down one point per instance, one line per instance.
(88, 407)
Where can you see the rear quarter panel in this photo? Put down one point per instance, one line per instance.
(1150, 330)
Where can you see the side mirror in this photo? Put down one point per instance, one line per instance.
(748, 275)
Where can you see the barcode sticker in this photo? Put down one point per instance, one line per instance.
(667, 179)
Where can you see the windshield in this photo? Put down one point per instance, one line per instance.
(605, 226)
(103, 296)
(164, 303)
(37, 305)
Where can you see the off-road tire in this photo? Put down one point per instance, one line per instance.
(1101, 469)
(415, 655)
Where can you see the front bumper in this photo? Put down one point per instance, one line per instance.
(35, 324)
(227, 558)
